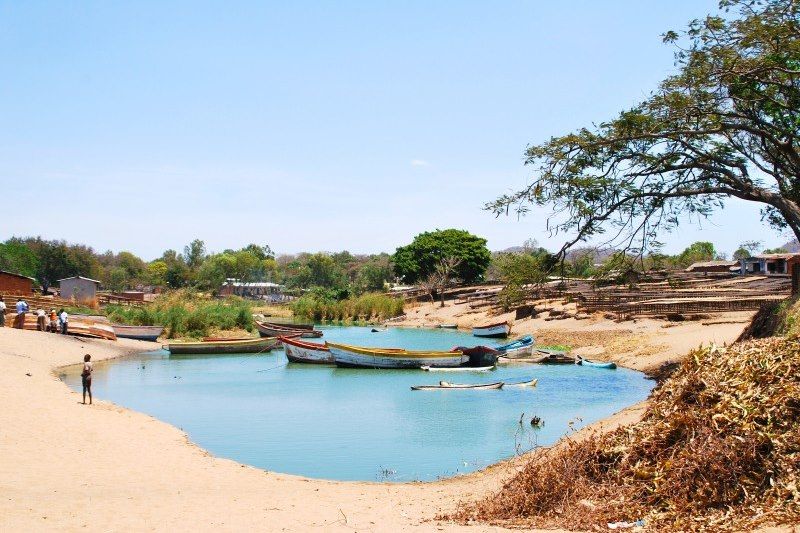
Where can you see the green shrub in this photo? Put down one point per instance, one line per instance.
(320, 306)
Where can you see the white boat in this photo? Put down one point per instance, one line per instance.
(499, 329)
(345, 355)
(298, 351)
(529, 383)
(444, 385)
(457, 369)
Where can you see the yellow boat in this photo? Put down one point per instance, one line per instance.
(345, 355)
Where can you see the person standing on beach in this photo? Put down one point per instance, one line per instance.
(86, 378)
(2, 312)
(22, 309)
(41, 320)
(64, 319)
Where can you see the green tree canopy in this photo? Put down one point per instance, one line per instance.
(419, 259)
(727, 124)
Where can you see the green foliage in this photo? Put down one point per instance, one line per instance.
(319, 270)
(373, 275)
(419, 260)
(186, 314)
(779, 250)
(16, 257)
(725, 125)
(699, 251)
(319, 306)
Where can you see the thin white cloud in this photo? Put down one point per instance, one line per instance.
(419, 163)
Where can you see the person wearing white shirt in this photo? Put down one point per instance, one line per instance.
(64, 319)
(22, 308)
(2, 312)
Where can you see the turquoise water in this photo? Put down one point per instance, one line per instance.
(353, 424)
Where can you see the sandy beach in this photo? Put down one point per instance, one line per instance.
(67, 466)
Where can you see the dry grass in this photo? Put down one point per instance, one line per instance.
(718, 449)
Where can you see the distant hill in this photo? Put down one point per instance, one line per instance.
(792, 246)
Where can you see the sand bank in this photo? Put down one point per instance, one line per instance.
(67, 466)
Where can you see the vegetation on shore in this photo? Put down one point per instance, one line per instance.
(186, 313)
(320, 306)
(717, 448)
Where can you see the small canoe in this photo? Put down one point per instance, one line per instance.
(298, 351)
(445, 385)
(448, 326)
(457, 369)
(348, 356)
(499, 329)
(291, 325)
(529, 383)
(596, 364)
(141, 333)
(222, 347)
(273, 330)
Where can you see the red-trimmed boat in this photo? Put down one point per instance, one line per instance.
(298, 351)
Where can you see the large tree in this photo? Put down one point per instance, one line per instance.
(420, 259)
(725, 125)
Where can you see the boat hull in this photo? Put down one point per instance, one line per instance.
(270, 330)
(222, 347)
(492, 330)
(443, 385)
(597, 364)
(141, 333)
(356, 357)
(306, 352)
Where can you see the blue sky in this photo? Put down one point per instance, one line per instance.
(310, 125)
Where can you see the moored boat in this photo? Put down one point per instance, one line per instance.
(298, 351)
(345, 355)
(448, 326)
(291, 325)
(522, 347)
(530, 383)
(266, 329)
(499, 329)
(445, 385)
(596, 364)
(554, 358)
(222, 347)
(457, 369)
(141, 333)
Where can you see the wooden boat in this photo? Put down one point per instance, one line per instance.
(222, 339)
(291, 325)
(457, 369)
(555, 358)
(522, 347)
(596, 364)
(81, 328)
(298, 351)
(499, 329)
(345, 355)
(142, 333)
(479, 355)
(529, 383)
(222, 347)
(273, 330)
(448, 326)
(445, 385)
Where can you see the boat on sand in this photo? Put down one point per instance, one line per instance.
(345, 355)
(522, 347)
(446, 385)
(298, 351)
(142, 333)
(222, 347)
(498, 329)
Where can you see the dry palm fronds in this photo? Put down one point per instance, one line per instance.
(718, 448)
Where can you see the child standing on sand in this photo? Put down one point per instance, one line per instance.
(86, 378)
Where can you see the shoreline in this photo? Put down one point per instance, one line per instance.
(93, 440)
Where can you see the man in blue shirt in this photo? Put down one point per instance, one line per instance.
(22, 308)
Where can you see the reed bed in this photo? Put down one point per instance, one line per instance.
(187, 314)
(718, 449)
(370, 306)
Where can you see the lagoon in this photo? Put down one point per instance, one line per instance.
(360, 424)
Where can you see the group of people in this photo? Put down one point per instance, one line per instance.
(55, 322)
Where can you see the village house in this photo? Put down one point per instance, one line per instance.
(716, 267)
(78, 288)
(15, 284)
(770, 264)
(257, 290)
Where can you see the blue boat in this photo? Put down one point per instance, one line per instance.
(597, 364)
(517, 348)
